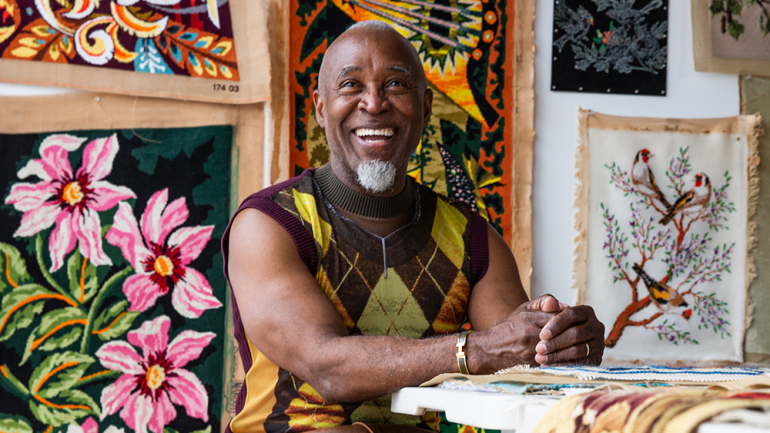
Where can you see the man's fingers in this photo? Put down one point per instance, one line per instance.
(540, 318)
(545, 303)
(564, 320)
(570, 337)
(580, 353)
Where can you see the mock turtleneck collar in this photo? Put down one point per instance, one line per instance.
(342, 197)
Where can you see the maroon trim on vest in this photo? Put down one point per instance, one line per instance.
(302, 239)
(479, 248)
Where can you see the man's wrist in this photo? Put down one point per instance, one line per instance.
(462, 364)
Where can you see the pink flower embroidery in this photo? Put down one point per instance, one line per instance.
(152, 381)
(68, 199)
(161, 260)
(90, 426)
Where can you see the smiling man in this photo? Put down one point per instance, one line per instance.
(352, 281)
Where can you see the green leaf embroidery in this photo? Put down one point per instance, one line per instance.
(14, 424)
(735, 29)
(82, 277)
(57, 330)
(21, 305)
(13, 385)
(58, 372)
(114, 321)
(70, 405)
(14, 268)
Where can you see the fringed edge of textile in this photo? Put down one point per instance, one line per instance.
(521, 368)
(753, 129)
(580, 252)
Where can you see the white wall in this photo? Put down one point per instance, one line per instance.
(689, 94)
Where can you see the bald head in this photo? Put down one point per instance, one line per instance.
(361, 33)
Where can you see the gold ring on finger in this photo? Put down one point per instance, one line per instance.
(588, 350)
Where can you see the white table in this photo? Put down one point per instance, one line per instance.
(507, 412)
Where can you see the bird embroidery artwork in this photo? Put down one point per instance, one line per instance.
(660, 293)
(644, 180)
(693, 202)
(670, 245)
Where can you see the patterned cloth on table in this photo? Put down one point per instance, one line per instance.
(664, 412)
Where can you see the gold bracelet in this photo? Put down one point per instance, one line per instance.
(462, 364)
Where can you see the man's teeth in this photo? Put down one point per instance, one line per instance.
(385, 132)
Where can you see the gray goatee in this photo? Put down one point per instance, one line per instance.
(376, 176)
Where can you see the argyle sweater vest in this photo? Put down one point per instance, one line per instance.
(430, 274)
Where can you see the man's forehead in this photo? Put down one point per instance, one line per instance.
(403, 68)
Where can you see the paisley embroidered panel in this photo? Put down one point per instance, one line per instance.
(664, 208)
(145, 47)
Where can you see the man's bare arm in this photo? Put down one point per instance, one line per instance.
(289, 318)
(494, 309)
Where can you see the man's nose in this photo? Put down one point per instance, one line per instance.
(374, 100)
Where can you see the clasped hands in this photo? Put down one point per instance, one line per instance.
(542, 331)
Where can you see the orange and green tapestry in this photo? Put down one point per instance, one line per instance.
(173, 37)
(466, 149)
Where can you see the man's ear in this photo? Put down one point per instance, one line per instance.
(427, 106)
(319, 108)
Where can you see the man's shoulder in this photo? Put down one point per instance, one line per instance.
(301, 182)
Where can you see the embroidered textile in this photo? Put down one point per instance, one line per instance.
(139, 47)
(424, 292)
(610, 46)
(654, 373)
(731, 36)
(665, 412)
(663, 218)
(112, 312)
(468, 50)
(517, 388)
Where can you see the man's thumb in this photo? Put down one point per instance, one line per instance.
(545, 303)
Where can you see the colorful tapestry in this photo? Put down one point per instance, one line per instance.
(467, 149)
(755, 99)
(610, 46)
(112, 313)
(665, 412)
(663, 216)
(157, 41)
(656, 373)
(731, 36)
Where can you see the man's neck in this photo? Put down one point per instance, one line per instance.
(380, 215)
(349, 178)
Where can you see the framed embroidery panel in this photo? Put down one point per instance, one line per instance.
(205, 50)
(478, 57)
(731, 36)
(114, 311)
(610, 46)
(664, 234)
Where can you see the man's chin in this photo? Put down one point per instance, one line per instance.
(376, 176)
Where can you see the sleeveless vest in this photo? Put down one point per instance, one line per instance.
(431, 271)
